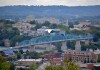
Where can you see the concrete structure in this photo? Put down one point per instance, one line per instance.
(78, 45)
(37, 48)
(64, 47)
(44, 47)
(2, 48)
(7, 43)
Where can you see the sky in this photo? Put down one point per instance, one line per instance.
(50, 2)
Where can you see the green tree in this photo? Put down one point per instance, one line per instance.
(59, 67)
(33, 22)
(48, 68)
(46, 23)
(3, 64)
(21, 51)
(12, 67)
(98, 58)
(33, 67)
(18, 55)
(68, 65)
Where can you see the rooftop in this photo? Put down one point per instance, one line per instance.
(37, 60)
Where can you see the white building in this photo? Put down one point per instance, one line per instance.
(45, 31)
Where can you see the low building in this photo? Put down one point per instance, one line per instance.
(51, 56)
(25, 63)
(1, 24)
(29, 61)
(80, 56)
(24, 28)
(81, 26)
(57, 61)
(45, 31)
(9, 53)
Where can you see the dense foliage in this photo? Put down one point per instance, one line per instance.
(68, 65)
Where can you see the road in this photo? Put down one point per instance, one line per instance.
(43, 66)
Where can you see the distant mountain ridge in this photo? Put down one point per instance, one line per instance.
(49, 11)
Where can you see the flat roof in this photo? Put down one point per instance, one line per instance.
(37, 60)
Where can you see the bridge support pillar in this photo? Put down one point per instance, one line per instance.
(47, 47)
(87, 42)
(31, 48)
(78, 45)
(64, 47)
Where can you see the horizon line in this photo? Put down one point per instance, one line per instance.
(50, 5)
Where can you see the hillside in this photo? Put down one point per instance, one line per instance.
(48, 11)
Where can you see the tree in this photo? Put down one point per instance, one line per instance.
(12, 67)
(70, 65)
(3, 64)
(33, 67)
(98, 58)
(18, 56)
(34, 55)
(53, 26)
(59, 67)
(21, 51)
(33, 22)
(46, 23)
(49, 68)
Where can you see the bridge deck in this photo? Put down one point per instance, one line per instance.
(55, 38)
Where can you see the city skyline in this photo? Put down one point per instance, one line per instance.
(50, 2)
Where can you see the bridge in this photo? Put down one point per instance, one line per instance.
(54, 38)
(57, 38)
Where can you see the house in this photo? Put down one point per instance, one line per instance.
(24, 28)
(81, 26)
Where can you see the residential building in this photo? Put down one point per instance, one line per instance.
(42, 20)
(80, 56)
(24, 28)
(81, 26)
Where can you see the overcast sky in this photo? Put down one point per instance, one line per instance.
(50, 2)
